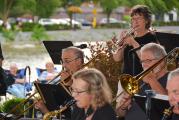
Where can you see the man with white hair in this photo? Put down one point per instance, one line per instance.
(155, 80)
(173, 92)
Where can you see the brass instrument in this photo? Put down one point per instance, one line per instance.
(54, 113)
(115, 46)
(167, 113)
(131, 84)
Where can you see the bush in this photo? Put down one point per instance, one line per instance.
(162, 23)
(10, 104)
(39, 33)
(113, 25)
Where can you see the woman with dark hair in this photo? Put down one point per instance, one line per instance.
(141, 24)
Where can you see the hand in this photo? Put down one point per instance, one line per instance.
(128, 40)
(65, 74)
(125, 101)
(41, 106)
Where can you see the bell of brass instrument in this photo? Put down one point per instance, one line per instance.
(48, 115)
(119, 42)
(167, 113)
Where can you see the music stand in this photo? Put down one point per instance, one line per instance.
(53, 96)
(54, 49)
(157, 106)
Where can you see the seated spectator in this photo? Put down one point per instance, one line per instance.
(16, 87)
(49, 73)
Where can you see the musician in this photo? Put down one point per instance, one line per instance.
(155, 80)
(141, 23)
(173, 92)
(93, 96)
(72, 61)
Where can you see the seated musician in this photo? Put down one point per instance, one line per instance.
(93, 96)
(173, 92)
(72, 61)
(155, 80)
(49, 73)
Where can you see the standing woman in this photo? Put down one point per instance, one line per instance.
(93, 96)
(141, 24)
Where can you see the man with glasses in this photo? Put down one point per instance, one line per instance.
(72, 61)
(173, 92)
(155, 80)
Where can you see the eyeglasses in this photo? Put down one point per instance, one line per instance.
(137, 19)
(68, 61)
(78, 91)
(148, 60)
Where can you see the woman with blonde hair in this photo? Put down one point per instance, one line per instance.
(93, 96)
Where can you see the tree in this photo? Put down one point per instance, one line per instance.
(45, 8)
(71, 7)
(14, 8)
(108, 7)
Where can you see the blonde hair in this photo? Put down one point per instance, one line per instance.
(98, 86)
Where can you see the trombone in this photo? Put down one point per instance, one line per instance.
(62, 82)
(130, 84)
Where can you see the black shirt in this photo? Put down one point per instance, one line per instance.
(131, 64)
(103, 113)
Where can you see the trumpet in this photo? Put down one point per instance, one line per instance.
(117, 43)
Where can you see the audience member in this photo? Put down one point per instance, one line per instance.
(49, 73)
(16, 87)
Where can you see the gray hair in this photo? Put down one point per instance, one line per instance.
(98, 86)
(77, 52)
(157, 50)
(173, 73)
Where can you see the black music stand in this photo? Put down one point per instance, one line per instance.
(168, 40)
(157, 106)
(54, 49)
(53, 96)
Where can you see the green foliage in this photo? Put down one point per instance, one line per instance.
(108, 6)
(127, 18)
(113, 25)
(9, 104)
(161, 23)
(39, 33)
(9, 35)
(45, 8)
